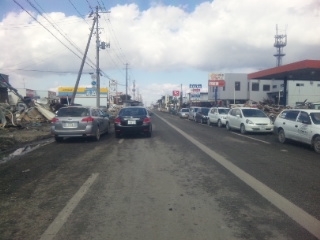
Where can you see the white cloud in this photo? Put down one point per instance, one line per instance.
(220, 35)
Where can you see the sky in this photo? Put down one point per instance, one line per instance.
(156, 47)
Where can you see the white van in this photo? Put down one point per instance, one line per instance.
(302, 125)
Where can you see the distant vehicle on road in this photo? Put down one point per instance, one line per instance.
(192, 113)
(133, 120)
(218, 115)
(202, 115)
(79, 121)
(302, 125)
(248, 119)
(183, 113)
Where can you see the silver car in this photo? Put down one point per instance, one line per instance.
(192, 113)
(79, 121)
(183, 113)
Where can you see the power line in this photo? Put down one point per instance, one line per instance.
(56, 28)
(34, 70)
(47, 29)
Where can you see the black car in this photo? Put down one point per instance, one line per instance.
(133, 120)
(202, 115)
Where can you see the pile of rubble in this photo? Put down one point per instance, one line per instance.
(22, 114)
(271, 109)
(23, 124)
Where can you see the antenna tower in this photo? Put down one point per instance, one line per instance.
(280, 43)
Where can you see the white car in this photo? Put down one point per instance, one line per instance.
(218, 115)
(248, 119)
(302, 125)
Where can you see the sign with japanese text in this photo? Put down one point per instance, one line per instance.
(217, 83)
(175, 93)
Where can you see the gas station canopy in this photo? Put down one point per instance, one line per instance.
(306, 70)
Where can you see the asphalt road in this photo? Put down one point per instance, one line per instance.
(188, 181)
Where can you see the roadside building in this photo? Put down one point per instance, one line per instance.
(297, 82)
(86, 96)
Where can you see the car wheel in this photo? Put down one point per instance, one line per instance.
(316, 144)
(58, 139)
(117, 135)
(219, 123)
(282, 136)
(228, 126)
(201, 121)
(97, 136)
(243, 129)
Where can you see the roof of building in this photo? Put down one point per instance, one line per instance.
(307, 70)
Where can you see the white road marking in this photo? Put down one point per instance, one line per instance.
(62, 217)
(255, 139)
(121, 140)
(300, 216)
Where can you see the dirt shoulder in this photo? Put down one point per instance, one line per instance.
(13, 138)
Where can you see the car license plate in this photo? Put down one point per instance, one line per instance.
(131, 122)
(70, 125)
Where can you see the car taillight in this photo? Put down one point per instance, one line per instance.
(146, 120)
(54, 120)
(117, 120)
(87, 119)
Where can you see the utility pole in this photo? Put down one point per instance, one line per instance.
(99, 45)
(97, 58)
(181, 96)
(127, 82)
(103, 45)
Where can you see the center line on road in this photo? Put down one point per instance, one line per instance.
(300, 216)
(62, 217)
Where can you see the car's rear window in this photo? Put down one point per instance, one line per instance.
(184, 110)
(73, 112)
(132, 112)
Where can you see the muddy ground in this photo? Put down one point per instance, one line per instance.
(12, 138)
